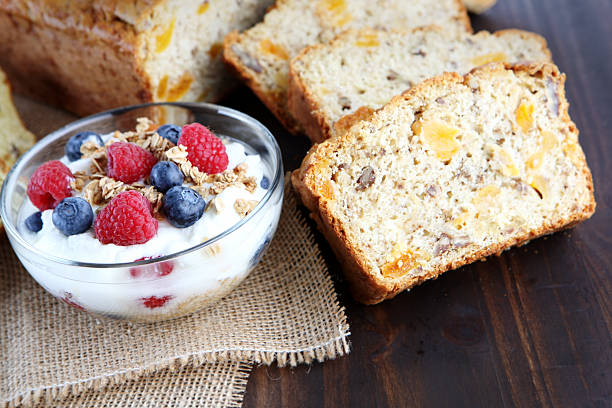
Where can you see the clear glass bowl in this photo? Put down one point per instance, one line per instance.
(200, 275)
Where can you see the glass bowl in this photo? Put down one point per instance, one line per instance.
(144, 290)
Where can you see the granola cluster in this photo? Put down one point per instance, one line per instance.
(98, 189)
(200, 180)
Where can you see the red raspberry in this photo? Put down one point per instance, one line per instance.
(49, 185)
(154, 301)
(152, 270)
(126, 220)
(128, 162)
(204, 150)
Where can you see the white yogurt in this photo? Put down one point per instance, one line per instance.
(195, 279)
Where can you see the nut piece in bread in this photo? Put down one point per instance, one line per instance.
(89, 56)
(261, 55)
(454, 170)
(15, 139)
(334, 85)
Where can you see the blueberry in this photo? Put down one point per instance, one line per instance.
(34, 222)
(183, 206)
(166, 175)
(264, 183)
(260, 251)
(170, 132)
(73, 147)
(73, 215)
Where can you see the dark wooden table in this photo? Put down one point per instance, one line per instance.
(530, 328)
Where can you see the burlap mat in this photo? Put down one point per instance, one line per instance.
(286, 311)
(210, 385)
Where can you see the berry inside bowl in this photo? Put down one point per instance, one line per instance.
(148, 212)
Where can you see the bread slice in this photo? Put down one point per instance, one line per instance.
(454, 170)
(361, 70)
(15, 139)
(479, 6)
(89, 56)
(261, 55)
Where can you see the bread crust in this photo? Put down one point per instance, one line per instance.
(279, 103)
(274, 102)
(89, 56)
(370, 288)
(112, 16)
(90, 41)
(306, 108)
(302, 106)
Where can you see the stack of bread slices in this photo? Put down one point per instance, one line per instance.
(436, 146)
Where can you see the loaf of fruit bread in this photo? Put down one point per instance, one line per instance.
(261, 55)
(361, 70)
(479, 6)
(15, 139)
(453, 170)
(89, 56)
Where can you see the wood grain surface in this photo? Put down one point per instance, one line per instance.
(530, 328)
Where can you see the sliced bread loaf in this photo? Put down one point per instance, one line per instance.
(455, 169)
(479, 6)
(361, 70)
(89, 56)
(261, 54)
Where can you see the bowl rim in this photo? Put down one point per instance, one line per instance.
(10, 179)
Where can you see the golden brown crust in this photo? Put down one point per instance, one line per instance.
(113, 18)
(305, 107)
(86, 43)
(526, 35)
(370, 288)
(464, 16)
(279, 104)
(303, 179)
(274, 102)
(302, 105)
(94, 55)
(347, 121)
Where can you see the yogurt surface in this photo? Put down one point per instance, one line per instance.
(219, 216)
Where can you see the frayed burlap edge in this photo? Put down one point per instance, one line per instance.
(336, 348)
(242, 379)
(48, 395)
(332, 349)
